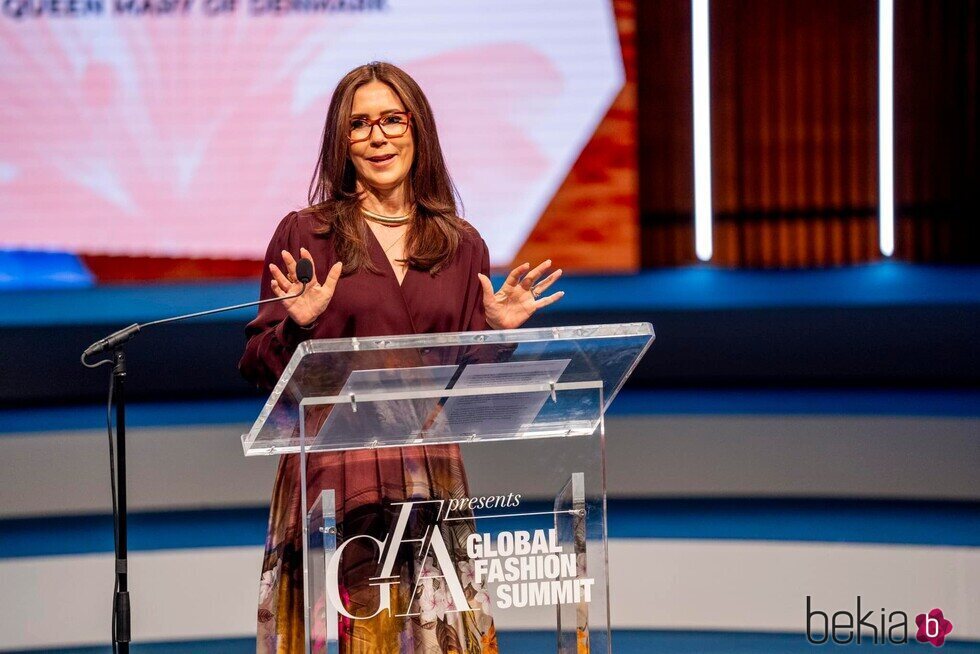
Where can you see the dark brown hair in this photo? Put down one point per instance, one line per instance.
(435, 231)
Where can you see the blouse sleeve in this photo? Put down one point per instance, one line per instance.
(478, 316)
(474, 305)
(272, 336)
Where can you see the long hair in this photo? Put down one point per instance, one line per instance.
(435, 231)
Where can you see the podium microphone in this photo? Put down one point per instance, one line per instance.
(114, 343)
(304, 274)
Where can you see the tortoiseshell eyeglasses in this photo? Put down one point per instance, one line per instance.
(391, 125)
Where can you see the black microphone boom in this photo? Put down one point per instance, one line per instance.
(304, 273)
(112, 341)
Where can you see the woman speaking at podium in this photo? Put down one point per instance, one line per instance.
(384, 224)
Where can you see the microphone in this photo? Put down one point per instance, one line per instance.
(304, 272)
(304, 275)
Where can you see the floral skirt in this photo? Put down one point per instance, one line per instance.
(366, 484)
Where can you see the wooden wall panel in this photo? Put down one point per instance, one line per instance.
(665, 127)
(794, 131)
(794, 100)
(937, 172)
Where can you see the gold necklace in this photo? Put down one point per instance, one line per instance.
(395, 242)
(387, 220)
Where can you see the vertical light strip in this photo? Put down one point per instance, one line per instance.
(886, 128)
(702, 129)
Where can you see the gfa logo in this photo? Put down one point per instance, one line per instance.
(430, 543)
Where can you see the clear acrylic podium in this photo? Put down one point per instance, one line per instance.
(521, 546)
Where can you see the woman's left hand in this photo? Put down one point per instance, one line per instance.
(519, 297)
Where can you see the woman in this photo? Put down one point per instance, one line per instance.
(384, 223)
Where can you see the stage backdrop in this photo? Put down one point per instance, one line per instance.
(182, 130)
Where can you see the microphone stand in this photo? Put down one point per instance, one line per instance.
(121, 612)
(120, 600)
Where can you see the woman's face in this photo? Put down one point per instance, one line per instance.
(382, 163)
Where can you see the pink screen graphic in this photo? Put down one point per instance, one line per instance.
(190, 132)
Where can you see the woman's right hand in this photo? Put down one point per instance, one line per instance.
(305, 309)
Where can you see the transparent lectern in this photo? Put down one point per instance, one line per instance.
(512, 552)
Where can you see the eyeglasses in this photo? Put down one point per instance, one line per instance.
(391, 125)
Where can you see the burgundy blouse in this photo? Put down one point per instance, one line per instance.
(364, 303)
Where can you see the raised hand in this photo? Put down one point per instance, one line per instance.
(305, 309)
(519, 297)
